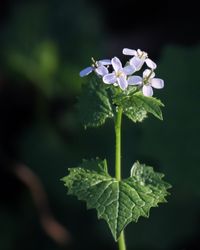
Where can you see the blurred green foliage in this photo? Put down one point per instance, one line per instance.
(48, 43)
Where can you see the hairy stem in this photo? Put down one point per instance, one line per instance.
(118, 121)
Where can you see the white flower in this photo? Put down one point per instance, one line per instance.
(139, 58)
(97, 66)
(147, 82)
(119, 75)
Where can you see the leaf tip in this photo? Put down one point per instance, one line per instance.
(63, 179)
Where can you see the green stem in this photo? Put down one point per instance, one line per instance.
(118, 121)
(121, 241)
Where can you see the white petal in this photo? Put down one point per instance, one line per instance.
(147, 90)
(139, 52)
(101, 70)
(150, 64)
(104, 62)
(86, 71)
(157, 83)
(134, 80)
(137, 63)
(109, 78)
(117, 65)
(129, 70)
(152, 75)
(148, 73)
(129, 52)
(123, 84)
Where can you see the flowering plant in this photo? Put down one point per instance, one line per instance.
(112, 91)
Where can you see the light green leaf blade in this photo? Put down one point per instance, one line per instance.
(94, 105)
(136, 106)
(117, 202)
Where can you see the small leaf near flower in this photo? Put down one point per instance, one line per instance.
(136, 106)
(94, 106)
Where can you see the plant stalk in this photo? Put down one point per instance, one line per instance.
(118, 121)
(121, 241)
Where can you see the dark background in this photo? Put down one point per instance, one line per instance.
(43, 46)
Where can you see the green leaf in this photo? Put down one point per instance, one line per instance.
(94, 105)
(117, 202)
(136, 106)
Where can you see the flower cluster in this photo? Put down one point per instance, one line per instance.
(125, 76)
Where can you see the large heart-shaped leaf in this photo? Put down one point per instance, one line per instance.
(117, 202)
